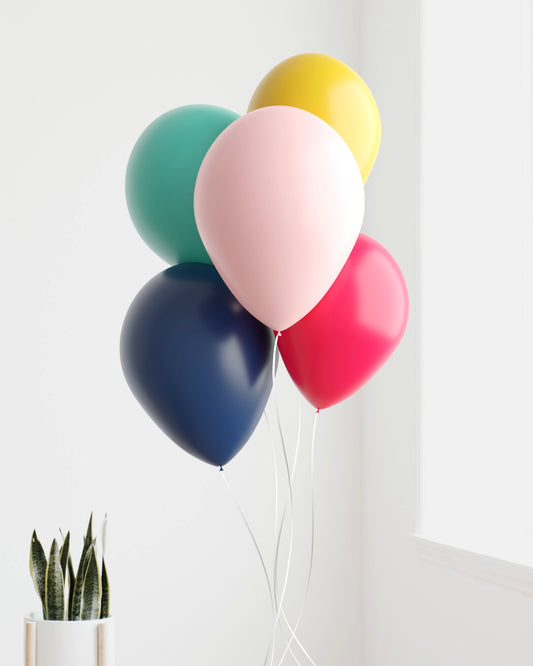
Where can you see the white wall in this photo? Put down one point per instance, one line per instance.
(79, 83)
(416, 613)
(476, 288)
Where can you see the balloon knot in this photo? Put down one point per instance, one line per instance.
(221, 469)
(318, 411)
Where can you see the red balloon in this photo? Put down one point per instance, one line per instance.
(353, 330)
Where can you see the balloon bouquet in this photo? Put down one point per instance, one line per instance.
(259, 216)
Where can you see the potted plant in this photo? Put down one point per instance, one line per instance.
(74, 628)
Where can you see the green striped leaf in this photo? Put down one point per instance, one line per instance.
(88, 591)
(92, 590)
(64, 555)
(38, 569)
(54, 586)
(77, 588)
(104, 607)
(80, 577)
(89, 535)
(71, 583)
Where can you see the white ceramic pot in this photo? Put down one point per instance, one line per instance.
(80, 643)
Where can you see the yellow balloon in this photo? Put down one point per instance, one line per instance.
(332, 91)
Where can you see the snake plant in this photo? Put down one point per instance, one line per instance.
(64, 593)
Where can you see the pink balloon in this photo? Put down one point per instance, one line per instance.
(279, 203)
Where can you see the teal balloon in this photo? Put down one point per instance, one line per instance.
(161, 176)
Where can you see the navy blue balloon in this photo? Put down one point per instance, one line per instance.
(197, 361)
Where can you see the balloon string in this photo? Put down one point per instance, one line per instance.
(278, 335)
(276, 517)
(250, 532)
(311, 556)
(290, 477)
(292, 630)
(291, 538)
(276, 508)
(275, 461)
(278, 539)
(278, 536)
(276, 487)
(297, 441)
